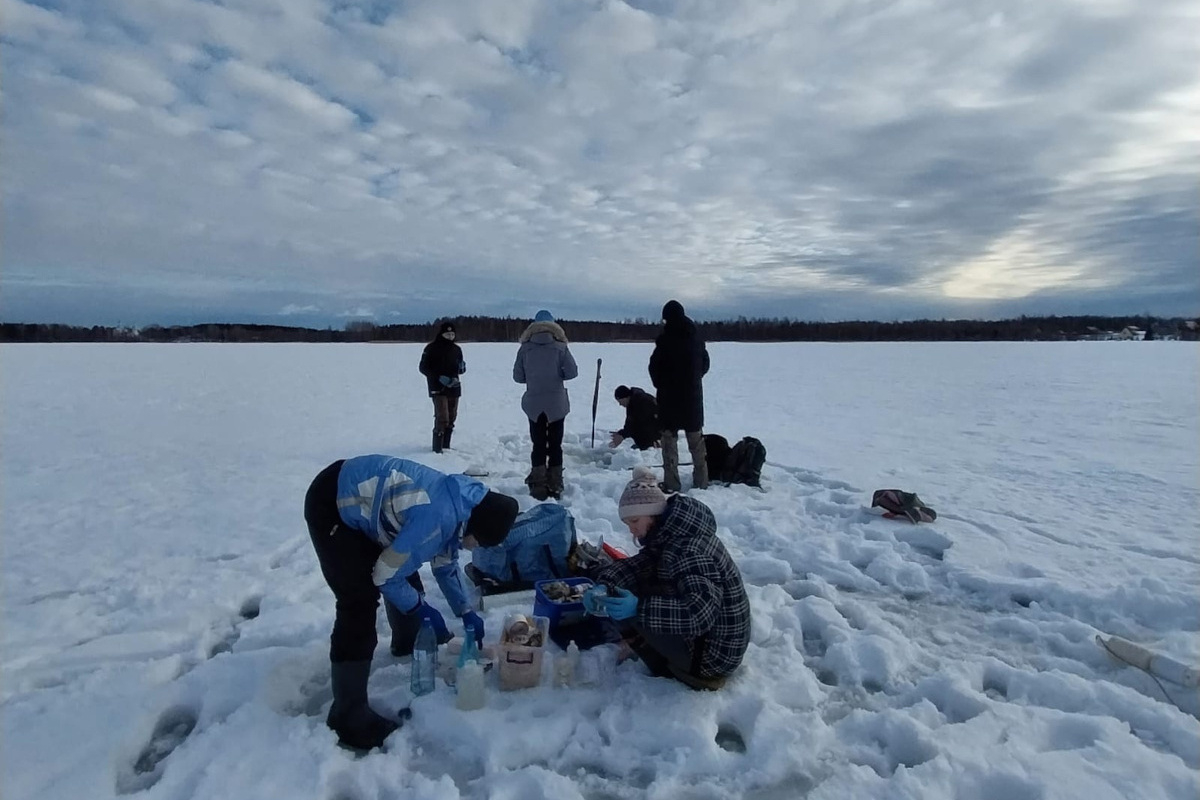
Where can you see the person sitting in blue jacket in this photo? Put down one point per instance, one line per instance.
(374, 520)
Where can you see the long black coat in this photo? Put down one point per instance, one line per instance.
(442, 357)
(677, 367)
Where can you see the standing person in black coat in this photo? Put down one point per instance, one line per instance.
(677, 368)
(441, 364)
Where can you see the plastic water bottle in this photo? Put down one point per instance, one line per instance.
(470, 648)
(565, 666)
(472, 693)
(424, 660)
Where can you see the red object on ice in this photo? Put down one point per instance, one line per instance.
(615, 552)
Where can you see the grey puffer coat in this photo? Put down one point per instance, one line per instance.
(543, 363)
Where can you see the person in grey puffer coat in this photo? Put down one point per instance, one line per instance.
(543, 363)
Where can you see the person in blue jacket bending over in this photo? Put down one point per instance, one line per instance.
(374, 520)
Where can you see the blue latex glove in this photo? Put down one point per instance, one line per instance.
(428, 612)
(471, 619)
(445, 380)
(462, 367)
(621, 604)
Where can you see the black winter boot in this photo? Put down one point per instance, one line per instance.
(536, 481)
(437, 440)
(554, 481)
(446, 436)
(356, 725)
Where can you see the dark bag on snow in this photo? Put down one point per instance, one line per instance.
(745, 462)
(716, 451)
(896, 503)
(538, 547)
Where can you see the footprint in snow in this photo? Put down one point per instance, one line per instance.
(730, 738)
(172, 729)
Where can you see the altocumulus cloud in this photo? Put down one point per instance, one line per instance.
(308, 161)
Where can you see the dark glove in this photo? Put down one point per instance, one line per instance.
(622, 604)
(428, 612)
(473, 620)
(462, 367)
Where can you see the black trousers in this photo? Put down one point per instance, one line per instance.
(347, 561)
(547, 441)
(666, 655)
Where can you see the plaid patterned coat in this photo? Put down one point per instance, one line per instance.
(687, 585)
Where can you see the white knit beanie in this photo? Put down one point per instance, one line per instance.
(642, 497)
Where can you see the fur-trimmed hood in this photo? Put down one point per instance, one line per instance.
(552, 328)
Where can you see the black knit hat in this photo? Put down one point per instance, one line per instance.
(622, 392)
(673, 310)
(491, 519)
(446, 326)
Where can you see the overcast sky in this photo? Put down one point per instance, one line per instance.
(309, 162)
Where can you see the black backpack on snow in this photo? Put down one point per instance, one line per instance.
(744, 463)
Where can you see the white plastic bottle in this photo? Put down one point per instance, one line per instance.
(566, 666)
(472, 693)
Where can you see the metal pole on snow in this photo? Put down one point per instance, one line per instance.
(595, 400)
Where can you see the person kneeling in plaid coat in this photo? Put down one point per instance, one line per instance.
(680, 600)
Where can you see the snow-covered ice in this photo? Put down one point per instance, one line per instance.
(166, 626)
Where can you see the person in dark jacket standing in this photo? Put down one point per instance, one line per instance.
(442, 363)
(641, 418)
(544, 362)
(374, 520)
(677, 369)
(680, 600)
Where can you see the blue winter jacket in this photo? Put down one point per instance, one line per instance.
(416, 514)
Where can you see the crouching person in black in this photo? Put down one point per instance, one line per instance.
(679, 601)
(641, 418)
(374, 520)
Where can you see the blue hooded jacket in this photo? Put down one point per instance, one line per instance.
(417, 515)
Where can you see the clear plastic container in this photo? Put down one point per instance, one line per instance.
(520, 664)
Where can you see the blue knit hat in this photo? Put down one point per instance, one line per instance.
(543, 316)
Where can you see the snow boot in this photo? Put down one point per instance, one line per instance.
(437, 440)
(350, 717)
(670, 454)
(449, 429)
(554, 481)
(536, 481)
(695, 441)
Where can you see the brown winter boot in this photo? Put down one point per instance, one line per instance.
(554, 481)
(695, 440)
(536, 481)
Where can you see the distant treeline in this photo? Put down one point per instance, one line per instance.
(507, 329)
